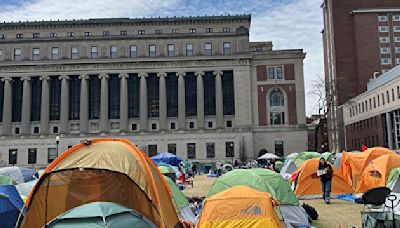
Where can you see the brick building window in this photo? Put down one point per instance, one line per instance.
(175, 31)
(12, 156)
(53, 34)
(279, 72)
(55, 53)
(152, 150)
(106, 33)
(113, 52)
(397, 39)
(385, 50)
(383, 28)
(384, 39)
(271, 72)
(19, 36)
(396, 17)
(386, 61)
(382, 18)
(87, 34)
(226, 29)
(279, 151)
(396, 28)
(209, 30)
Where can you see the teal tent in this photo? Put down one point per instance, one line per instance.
(100, 214)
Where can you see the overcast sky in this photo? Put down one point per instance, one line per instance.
(287, 23)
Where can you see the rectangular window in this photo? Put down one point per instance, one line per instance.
(385, 50)
(397, 60)
(36, 54)
(210, 149)
(279, 148)
(70, 34)
(191, 125)
(383, 28)
(36, 35)
(113, 52)
(171, 50)
(277, 118)
(158, 32)
(209, 30)
(55, 53)
(19, 36)
(370, 104)
(140, 32)
(259, 49)
(152, 150)
(12, 156)
(397, 39)
(152, 50)
(207, 49)
(229, 124)
(383, 99)
(227, 48)
(386, 61)
(191, 150)
(374, 102)
(53, 34)
(271, 72)
(189, 49)
(17, 54)
(74, 97)
(153, 126)
(230, 149)
(133, 51)
(279, 73)
(134, 127)
(32, 152)
(210, 124)
(94, 52)
(36, 130)
(396, 17)
(124, 33)
(175, 31)
(74, 53)
(379, 101)
(396, 28)
(384, 39)
(106, 33)
(17, 130)
(88, 34)
(397, 49)
(192, 30)
(2, 36)
(172, 148)
(172, 126)
(392, 94)
(387, 97)
(226, 29)
(382, 18)
(52, 154)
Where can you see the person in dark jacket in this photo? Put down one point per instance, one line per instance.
(325, 172)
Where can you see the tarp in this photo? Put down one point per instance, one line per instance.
(308, 184)
(10, 206)
(239, 206)
(166, 158)
(109, 170)
(100, 214)
(353, 163)
(377, 172)
(18, 174)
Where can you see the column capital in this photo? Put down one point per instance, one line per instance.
(123, 76)
(200, 73)
(103, 75)
(63, 77)
(84, 77)
(162, 74)
(142, 74)
(218, 73)
(9, 79)
(25, 78)
(178, 74)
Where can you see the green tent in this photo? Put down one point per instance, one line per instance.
(4, 180)
(278, 166)
(228, 166)
(292, 155)
(304, 156)
(261, 179)
(328, 156)
(178, 197)
(393, 181)
(164, 169)
(100, 214)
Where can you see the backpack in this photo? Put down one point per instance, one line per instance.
(312, 213)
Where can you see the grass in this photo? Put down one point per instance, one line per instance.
(339, 213)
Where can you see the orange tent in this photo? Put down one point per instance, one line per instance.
(239, 206)
(308, 185)
(353, 164)
(107, 170)
(377, 172)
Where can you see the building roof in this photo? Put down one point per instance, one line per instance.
(384, 78)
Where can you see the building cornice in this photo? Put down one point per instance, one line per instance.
(375, 10)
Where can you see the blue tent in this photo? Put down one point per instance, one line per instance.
(18, 174)
(166, 158)
(10, 206)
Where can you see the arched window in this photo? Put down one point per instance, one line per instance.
(276, 99)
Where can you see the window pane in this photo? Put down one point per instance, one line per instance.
(190, 94)
(36, 98)
(51, 154)
(171, 50)
(172, 95)
(228, 92)
(32, 155)
(133, 52)
(74, 97)
(209, 94)
(271, 72)
(279, 73)
(12, 156)
(16, 99)
(152, 149)
(153, 95)
(227, 48)
(152, 50)
(191, 150)
(230, 149)
(55, 98)
(210, 150)
(133, 96)
(114, 97)
(94, 97)
(207, 49)
(276, 99)
(279, 148)
(189, 49)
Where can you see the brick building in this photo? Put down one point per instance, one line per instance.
(361, 38)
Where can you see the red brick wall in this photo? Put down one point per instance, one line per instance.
(261, 73)
(290, 90)
(289, 71)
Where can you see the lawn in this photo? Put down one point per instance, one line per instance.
(337, 214)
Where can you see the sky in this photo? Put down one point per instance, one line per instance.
(289, 24)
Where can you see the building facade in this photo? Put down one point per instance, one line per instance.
(317, 128)
(373, 118)
(361, 38)
(194, 86)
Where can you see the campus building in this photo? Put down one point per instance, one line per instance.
(361, 38)
(373, 117)
(194, 86)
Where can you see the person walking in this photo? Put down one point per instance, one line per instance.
(219, 168)
(325, 172)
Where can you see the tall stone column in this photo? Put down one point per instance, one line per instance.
(181, 101)
(26, 106)
(219, 106)
(64, 111)
(123, 106)
(200, 100)
(143, 102)
(104, 124)
(163, 101)
(84, 105)
(45, 106)
(7, 106)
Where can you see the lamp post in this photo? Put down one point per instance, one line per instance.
(231, 150)
(57, 142)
